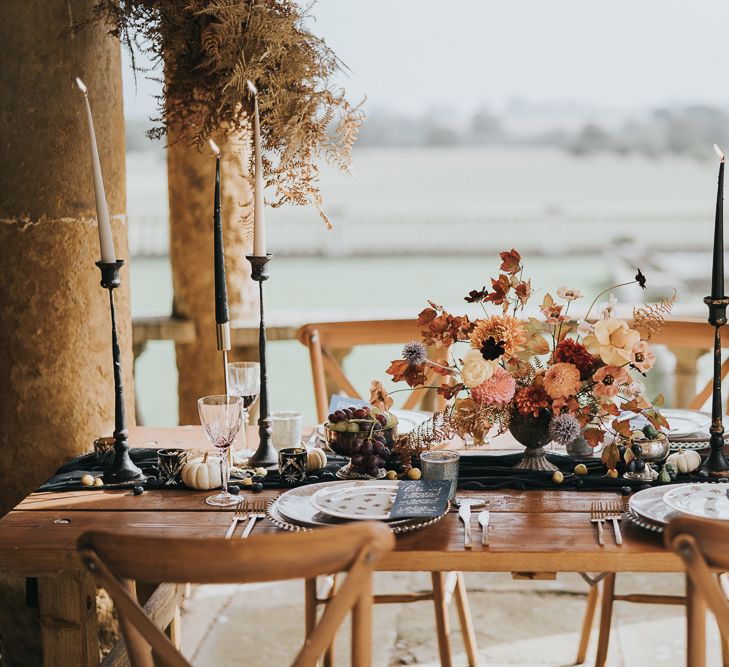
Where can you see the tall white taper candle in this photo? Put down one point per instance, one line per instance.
(106, 242)
(259, 223)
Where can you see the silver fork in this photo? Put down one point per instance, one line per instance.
(241, 514)
(597, 515)
(258, 511)
(614, 512)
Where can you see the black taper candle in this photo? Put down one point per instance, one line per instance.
(221, 291)
(717, 272)
(222, 324)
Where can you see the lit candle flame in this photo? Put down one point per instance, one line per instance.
(214, 147)
(719, 152)
(252, 87)
(82, 86)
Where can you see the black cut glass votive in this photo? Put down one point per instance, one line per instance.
(169, 465)
(292, 465)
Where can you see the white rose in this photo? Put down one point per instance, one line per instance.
(476, 370)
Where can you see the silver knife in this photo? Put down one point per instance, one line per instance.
(464, 511)
(483, 519)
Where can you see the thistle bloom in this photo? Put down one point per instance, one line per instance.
(612, 340)
(642, 357)
(568, 294)
(563, 429)
(415, 353)
(608, 380)
(562, 380)
(499, 388)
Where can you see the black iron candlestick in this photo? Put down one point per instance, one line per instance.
(121, 470)
(716, 464)
(266, 455)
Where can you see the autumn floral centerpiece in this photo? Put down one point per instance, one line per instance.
(548, 378)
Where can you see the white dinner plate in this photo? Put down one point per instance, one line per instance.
(709, 501)
(357, 500)
(649, 504)
(685, 423)
(409, 420)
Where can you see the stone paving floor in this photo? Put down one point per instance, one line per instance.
(517, 623)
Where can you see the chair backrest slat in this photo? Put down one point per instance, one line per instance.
(322, 338)
(119, 560)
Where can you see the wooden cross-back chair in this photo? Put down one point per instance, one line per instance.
(703, 546)
(324, 337)
(321, 339)
(118, 561)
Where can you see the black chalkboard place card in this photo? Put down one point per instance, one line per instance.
(420, 499)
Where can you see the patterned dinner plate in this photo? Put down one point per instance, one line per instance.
(649, 504)
(295, 504)
(358, 499)
(709, 501)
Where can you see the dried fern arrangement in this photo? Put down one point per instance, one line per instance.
(209, 48)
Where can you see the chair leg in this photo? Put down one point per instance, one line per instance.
(442, 624)
(606, 617)
(328, 658)
(695, 626)
(362, 632)
(587, 622)
(464, 615)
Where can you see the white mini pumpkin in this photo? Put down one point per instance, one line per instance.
(316, 459)
(202, 474)
(684, 460)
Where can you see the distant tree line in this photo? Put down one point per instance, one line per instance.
(687, 130)
(680, 130)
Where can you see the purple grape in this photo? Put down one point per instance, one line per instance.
(356, 446)
(332, 418)
(349, 413)
(366, 448)
(357, 460)
(385, 453)
(381, 418)
(360, 414)
(340, 415)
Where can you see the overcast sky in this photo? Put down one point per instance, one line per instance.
(412, 55)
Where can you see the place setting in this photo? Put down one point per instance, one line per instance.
(404, 505)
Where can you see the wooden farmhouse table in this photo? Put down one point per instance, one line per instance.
(531, 533)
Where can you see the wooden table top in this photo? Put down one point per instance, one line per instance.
(531, 531)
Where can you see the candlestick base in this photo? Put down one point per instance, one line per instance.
(122, 469)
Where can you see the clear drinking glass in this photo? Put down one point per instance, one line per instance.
(286, 430)
(221, 417)
(441, 464)
(244, 380)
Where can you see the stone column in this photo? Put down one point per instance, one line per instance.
(191, 175)
(55, 337)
